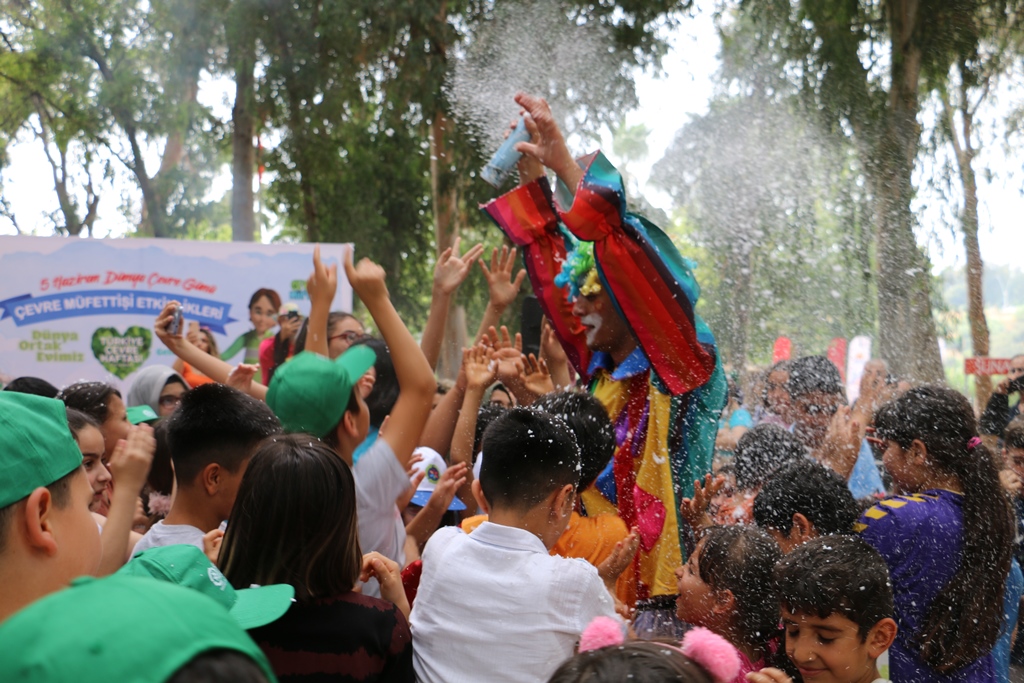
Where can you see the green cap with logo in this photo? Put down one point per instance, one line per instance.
(36, 446)
(140, 414)
(186, 565)
(309, 393)
(121, 628)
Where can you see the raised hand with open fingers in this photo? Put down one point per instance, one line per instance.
(535, 376)
(694, 511)
(502, 287)
(451, 269)
(620, 558)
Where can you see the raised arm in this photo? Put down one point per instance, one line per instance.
(321, 286)
(129, 465)
(450, 272)
(211, 366)
(502, 287)
(415, 378)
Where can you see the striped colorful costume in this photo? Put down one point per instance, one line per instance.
(666, 397)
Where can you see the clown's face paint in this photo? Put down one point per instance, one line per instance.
(591, 327)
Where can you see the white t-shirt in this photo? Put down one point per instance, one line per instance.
(494, 604)
(161, 534)
(380, 480)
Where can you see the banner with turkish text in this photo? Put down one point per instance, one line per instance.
(76, 309)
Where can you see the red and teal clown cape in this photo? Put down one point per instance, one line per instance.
(666, 397)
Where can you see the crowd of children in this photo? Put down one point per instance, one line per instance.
(350, 519)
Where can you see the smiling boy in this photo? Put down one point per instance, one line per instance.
(837, 609)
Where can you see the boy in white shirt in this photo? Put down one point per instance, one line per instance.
(494, 604)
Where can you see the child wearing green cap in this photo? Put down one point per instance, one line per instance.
(47, 534)
(315, 395)
(150, 632)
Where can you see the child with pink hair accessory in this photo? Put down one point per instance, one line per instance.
(605, 655)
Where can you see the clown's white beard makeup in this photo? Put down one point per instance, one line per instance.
(592, 325)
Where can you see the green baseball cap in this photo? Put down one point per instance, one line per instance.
(36, 446)
(186, 565)
(309, 393)
(120, 628)
(140, 414)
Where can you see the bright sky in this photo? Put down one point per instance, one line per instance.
(666, 104)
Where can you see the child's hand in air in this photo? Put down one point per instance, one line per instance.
(695, 510)
(131, 459)
(502, 287)
(507, 354)
(366, 278)
(389, 576)
(451, 270)
(480, 367)
(322, 282)
(171, 341)
(620, 558)
(535, 376)
(241, 377)
(211, 544)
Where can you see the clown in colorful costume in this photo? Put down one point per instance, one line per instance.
(632, 333)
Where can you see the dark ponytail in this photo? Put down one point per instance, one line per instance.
(965, 618)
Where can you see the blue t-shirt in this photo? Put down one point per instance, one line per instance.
(920, 537)
(865, 480)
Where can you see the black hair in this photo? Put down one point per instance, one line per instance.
(635, 661)
(220, 666)
(1013, 435)
(60, 494)
(836, 575)
(781, 366)
(92, 398)
(965, 618)
(813, 490)
(77, 421)
(813, 373)
(487, 414)
(32, 385)
(161, 475)
(527, 455)
(215, 423)
(741, 559)
(762, 450)
(294, 520)
(385, 390)
(588, 419)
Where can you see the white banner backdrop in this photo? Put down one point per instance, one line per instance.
(857, 357)
(82, 309)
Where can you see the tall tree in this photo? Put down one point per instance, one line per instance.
(966, 88)
(862, 66)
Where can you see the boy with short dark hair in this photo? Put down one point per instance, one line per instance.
(495, 601)
(47, 534)
(837, 609)
(212, 435)
(804, 500)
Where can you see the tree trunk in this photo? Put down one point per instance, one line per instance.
(243, 220)
(445, 198)
(964, 153)
(907, 338)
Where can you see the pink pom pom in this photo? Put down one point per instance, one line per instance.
(159, 504)
(601, 632)
(713, 653)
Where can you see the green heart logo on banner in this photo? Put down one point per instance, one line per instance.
(121, 354)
